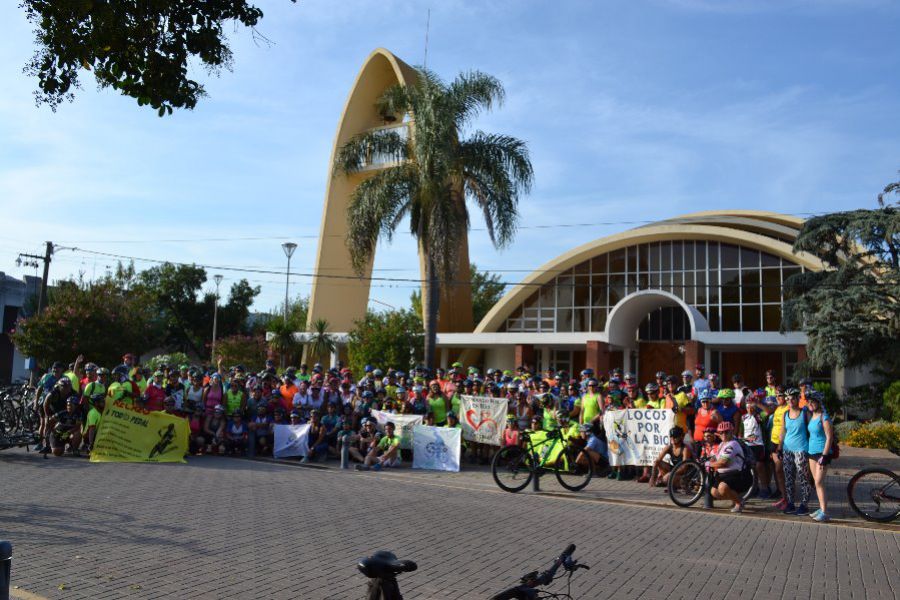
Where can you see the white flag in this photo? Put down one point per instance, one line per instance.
(483, 419)
(403, 425)
(637, 436)
(291, 440)
(436, 448)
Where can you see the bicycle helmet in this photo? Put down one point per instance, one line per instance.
(219, 409)
(726, 393)
(651, 388)
(562, 415)
(792, 392)
(295, 414)
(704, 394)
(660, 374)
(725, 426)
(102, 371)
(687, 374)
(629, 377)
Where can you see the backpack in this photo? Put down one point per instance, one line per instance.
(749, 456)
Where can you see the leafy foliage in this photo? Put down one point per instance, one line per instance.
(173, 359)
(240, 349)
(391, 338)
(844, 429)
(320, 344)
(438, 170)
(283, 341)
(891, 407)
(875, 435)
(851, 310)
(102, 320)
(832, 401)
(486, 292)
(142, 49)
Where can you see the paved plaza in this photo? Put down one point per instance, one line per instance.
(236, 528)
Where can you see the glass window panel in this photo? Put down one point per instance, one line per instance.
(548, 296)
(771, 285)
(714, 319)
(689, 256)
(546, 324)
(630, 283)
(598, 319)
(690, 292)
(642, 260)
(678, 284)
(598, 290)
(730, 256)
(617, 261)
(700, 255)
(677, 256)
(749, 258)
(582, 290)
(665, 249)
(632, 258)
(529, 325)
(616, 289)
(788, 271)
(642, 281)
(582, 318)
(581, 269)
(531, 313)
(654, 281)
(532, 301)
(703, 311)
(564, 319)
(599, 264)
(712, 254)
(653, 257)
(731, 318)
(714, 291)
(770, 261)
(771, 317)
(565, 291)
(751, 315)
(731, 287)
(750, 288)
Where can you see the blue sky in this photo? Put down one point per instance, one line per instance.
(633, 111)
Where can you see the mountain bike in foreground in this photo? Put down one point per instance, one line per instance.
(514, 467)
(874, 494)
(383, 567)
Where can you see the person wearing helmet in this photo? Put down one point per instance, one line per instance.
(385, 453)
(196, 442)
(794, 445)
(511, 435)
(728, 410)
(753, 436)
(437, 403)
(675, 452)
(653, 399)
(236, 396)
(365, 441)
(732, 479)
(318, 438)
(590, 406)
(236, 434)
(679, 402)
(214, 430)
(154, 394)
(97, 403)
(120, 388)
(821, 448)
(775, 426)
(65, 427)
(592, 451)
(700, 381)
(261, 426)
(706, 416)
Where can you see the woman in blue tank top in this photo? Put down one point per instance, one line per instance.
(821, 444)
(794, 447)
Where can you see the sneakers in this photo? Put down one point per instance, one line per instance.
(789, 509)
(801, 511)
(821, 517)
(363, 467)
(376, 467)
(764, 494)
(737, 508)
(815, 514)
(611, 475)
(781, 505)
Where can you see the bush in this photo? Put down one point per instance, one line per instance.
(246, 350)
(863, 402)
(843, 430)
(876, 435)
(891, 407)
(175, 359)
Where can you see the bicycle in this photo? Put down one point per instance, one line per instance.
(692, 479)
(513, 467)
(383, 567)
(874, 494)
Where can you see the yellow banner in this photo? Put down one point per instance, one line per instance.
(129, 435)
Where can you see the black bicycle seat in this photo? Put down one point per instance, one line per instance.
(384, 564)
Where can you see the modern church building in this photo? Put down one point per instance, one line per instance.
(702, 288)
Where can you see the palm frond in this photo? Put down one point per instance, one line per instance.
(359, 151)
(473, 92)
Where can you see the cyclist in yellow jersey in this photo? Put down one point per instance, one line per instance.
(589, 403)
(776, 419)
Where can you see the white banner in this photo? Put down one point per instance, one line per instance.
(637, 436)
(291, 440)
(483, 419)
(436, 448)
(403, 425)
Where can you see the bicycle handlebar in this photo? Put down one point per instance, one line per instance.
(527, 590)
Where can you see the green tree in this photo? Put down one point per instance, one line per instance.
(282, 341)
(142, 49)
(240, 349)
(184, 317)
(851, 310)
(437, 171)
(101, 320)
(487, 289)
(391, 338)
(320, 344)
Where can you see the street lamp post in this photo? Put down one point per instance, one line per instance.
(288, 248)
(218, 280)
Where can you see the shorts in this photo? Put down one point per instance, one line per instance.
(739, 481)
(389, 463)
(817, 456)
(759, 452)
(59, 440)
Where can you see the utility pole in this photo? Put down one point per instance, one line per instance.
(48, 253)
(218, 280)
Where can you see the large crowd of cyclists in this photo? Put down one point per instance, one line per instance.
(783, 432)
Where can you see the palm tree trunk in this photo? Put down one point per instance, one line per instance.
(430, 303)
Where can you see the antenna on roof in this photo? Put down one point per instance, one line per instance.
(427, 27)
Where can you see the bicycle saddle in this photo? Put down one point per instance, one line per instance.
(384, 564)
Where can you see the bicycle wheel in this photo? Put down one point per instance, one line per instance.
(8, 419)
(571, 475)
(686, 483)
(753, 489)
(512, 469)
(874, 494)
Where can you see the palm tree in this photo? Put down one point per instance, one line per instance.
(320, 342)
(434, 173)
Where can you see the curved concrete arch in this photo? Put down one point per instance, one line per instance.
(631, 310)
(343, 297)
(652, 233)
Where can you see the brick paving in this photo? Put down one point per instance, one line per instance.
(231, 528)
